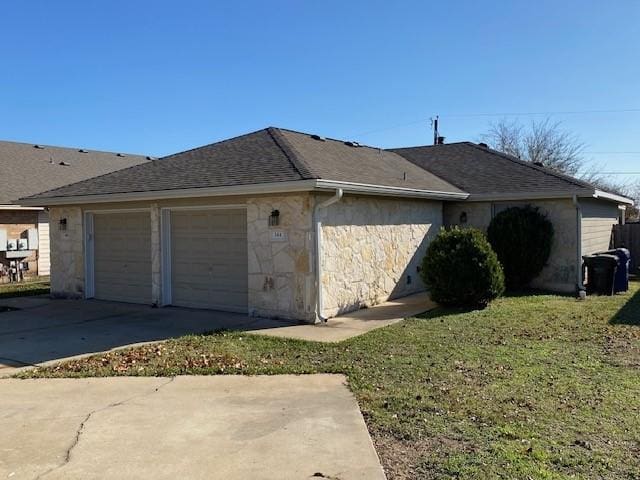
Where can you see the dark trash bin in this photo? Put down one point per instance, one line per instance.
(601, 271)
(622, 275)
(621, 281)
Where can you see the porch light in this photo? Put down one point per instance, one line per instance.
(463, 217)
(274, 218)
(62, 224)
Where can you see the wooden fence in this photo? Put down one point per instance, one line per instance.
(628, 236)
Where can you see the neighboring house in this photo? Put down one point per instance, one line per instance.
(26, 169)
(285, 224)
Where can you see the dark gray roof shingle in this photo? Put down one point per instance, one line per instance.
(265, 156)
(482, 171)
(26, 170)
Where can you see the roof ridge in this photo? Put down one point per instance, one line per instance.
(339, 140)
(75, 149)
(90, 178)
(525, 163)
(291, 153)
(225, 140)
(430, 146)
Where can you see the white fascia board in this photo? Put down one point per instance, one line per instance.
(599, 194)
(613, 197)
(257, 189)
(19, 207)
(363, 188)
(503, 197)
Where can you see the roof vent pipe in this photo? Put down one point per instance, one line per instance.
(441, 140)
(318, 231)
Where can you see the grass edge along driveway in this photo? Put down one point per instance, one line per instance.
(535, 386)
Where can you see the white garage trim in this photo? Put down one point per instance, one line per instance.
(89, 250)
(165, 242)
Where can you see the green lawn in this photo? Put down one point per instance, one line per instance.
(36, 286)
(532, 387)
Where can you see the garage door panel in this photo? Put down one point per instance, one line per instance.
(122, 256)
(209, 259)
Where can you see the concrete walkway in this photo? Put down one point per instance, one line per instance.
(355, 323)
(233, 427)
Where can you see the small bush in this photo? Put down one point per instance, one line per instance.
(461, 269)
(522, 238)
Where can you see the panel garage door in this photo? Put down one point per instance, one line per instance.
(122, 256)
(209, 259)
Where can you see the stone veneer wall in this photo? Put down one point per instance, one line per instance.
(560, 272)
(67, 253)
(280, 271)
(372, 248)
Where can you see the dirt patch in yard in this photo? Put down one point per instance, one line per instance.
(406, 460)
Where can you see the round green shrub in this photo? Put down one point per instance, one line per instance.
(522, 238)
(461, 269)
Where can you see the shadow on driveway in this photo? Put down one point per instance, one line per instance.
(44, 330)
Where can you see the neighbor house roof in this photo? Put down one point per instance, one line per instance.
(268, 156)
(488, 174)
(27, 169)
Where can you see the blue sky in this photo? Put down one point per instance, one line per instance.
(159, 76)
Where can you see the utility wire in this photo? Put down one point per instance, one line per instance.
(500, 114)
(613, 153)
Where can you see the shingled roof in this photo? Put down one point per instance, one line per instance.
(286, 159)
(484, 172)
(27, 169)
(270, 155)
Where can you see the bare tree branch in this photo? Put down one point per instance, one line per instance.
(544, 142)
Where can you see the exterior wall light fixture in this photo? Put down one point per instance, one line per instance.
(274, 218)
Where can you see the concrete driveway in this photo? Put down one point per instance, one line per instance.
(44, 330)
(229, 427)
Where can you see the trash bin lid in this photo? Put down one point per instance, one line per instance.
(624, 253)
(605, 259)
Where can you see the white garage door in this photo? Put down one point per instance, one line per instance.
(209, 259)
(122, 257)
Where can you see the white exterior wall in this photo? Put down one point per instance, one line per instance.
(560, 274)
(44, 248)
(372, 248)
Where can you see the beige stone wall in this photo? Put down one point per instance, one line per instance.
(280, 271)
(371, 249)
(598, 219)
(561, 270)
(67, 253)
